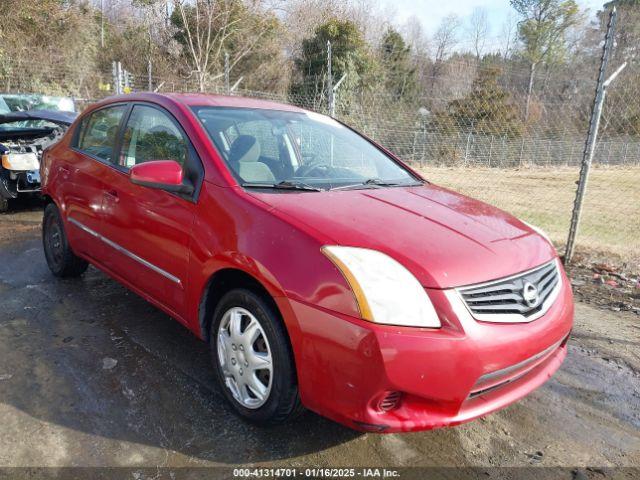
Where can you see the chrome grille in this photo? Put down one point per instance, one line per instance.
(520, 298)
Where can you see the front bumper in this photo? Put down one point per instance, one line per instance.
(448, 376)
(13, 182)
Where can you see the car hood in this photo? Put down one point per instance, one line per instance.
(58, 117)
(445, 239)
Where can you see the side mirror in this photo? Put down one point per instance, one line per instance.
(161, 174)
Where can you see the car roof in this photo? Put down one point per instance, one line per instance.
(203, 99)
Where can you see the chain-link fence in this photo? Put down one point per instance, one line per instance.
(533, 174)
(475, 129)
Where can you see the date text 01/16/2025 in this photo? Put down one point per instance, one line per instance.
(315, 473)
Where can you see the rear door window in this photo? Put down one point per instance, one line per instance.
(99, 131)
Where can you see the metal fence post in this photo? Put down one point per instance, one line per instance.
(413, 146)
(592, 137)
(570, 161)
(149, 76)
(330, 97)
(466, 149)
(117, 77)
(227, 87)
(114, 77)
(120, 78)
(521, 153)
(490, 150)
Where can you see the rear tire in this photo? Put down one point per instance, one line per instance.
(254, 365)
(60, 258)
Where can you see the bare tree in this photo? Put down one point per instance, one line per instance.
(446, 37)
(207, 26)
(199, 40)
(414, 33)
(477, 31)
(444, 41)
(508, 34)
(542, 30)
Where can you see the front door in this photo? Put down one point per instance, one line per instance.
(149, 230)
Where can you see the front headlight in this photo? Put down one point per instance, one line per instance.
(385, 291)
(20, 161)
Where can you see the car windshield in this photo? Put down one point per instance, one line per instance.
(20, 102)
(297, 150)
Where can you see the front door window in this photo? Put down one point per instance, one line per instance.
(151, 135)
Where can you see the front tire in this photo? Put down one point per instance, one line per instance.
(253, 359)
(60, 258)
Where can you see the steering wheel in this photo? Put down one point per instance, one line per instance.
(320, 169)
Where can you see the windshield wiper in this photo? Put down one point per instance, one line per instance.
(284, 185)
(380, 183)
(376, 182)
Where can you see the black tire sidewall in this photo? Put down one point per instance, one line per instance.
(70, 264)
(283, 397)
(52, 214)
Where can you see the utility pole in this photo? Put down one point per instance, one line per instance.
(102, 24)
(592, 135)
(149, 64)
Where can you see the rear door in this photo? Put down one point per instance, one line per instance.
(82, 172)
(150, 229)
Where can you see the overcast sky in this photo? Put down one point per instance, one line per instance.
(431, 12)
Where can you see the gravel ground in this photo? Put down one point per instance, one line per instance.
(93, 376)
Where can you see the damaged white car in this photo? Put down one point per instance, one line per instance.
(28, 124)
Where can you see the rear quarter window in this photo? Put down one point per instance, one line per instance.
(98, 132)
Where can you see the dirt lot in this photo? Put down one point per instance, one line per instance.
(544, 196)
(93, 376)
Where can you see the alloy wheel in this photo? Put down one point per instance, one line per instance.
(245, 357)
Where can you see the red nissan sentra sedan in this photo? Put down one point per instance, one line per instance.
(322, 271)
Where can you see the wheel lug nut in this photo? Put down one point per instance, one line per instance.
(246, 364)
(233, 361)
(241, 348)
(233, 346)
(241, 372)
